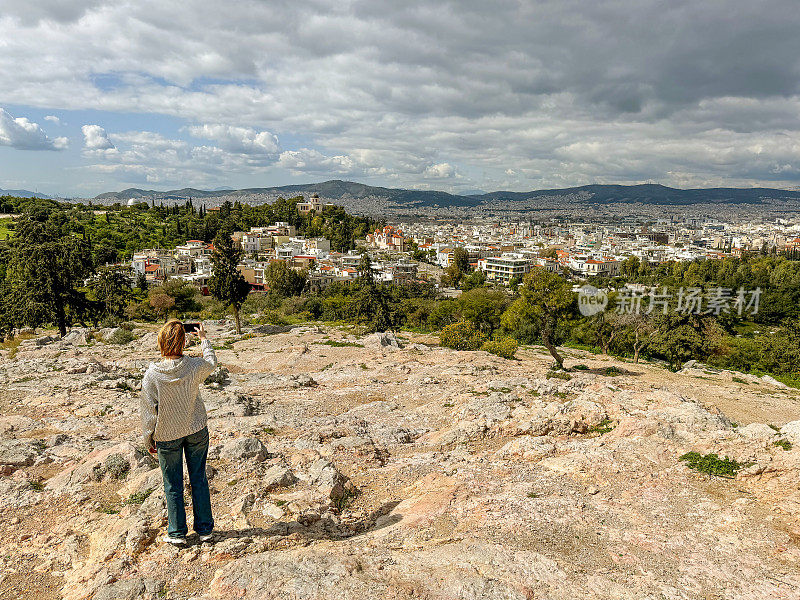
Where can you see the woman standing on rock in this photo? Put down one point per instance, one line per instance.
(174, 424)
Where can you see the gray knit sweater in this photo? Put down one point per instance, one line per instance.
(171, 406)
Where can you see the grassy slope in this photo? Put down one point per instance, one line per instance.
(4, 232)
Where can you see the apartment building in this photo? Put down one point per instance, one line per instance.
(397, 273)
(254, 242)
(254, 275)
(194, 248)
(594, 266)
(156, 264)
(505, 268)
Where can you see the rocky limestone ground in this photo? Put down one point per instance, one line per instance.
(359, 467)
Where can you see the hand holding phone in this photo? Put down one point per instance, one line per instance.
(191, 327)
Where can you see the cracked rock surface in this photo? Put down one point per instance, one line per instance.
(387, 467)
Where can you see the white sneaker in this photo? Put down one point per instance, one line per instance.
(206, 538)
(175, 541)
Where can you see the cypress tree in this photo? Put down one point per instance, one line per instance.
(227, 284)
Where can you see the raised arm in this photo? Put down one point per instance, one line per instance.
(209, 358)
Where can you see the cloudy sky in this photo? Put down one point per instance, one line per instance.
(99, 95)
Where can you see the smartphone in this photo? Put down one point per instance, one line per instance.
(191, 327)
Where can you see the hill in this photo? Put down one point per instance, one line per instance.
(351, 467)
(23, 194)
(653, 194)
(398, 197)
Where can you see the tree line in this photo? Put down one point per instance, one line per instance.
(53, 270)
(58, 266)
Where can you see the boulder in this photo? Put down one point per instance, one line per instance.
(774, 382)
(241, 507)
(218, 377)
(99, 462)
(244, 449)
(128, 589)
(277, 476)
(17, 453)
(756, 431)
(146, 480)
(272, 511)
(791, 431)
(149, 341)
(76, 337)
(381, 341)
(47, 339)
(419, 348)
(527, 447)
(328, 480)
(300, 380)
(107, 332)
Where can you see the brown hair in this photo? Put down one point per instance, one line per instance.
(172, 338)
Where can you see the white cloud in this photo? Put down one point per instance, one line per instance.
(242, 140)
(440, 171)
(517, 94)
(308, 160)
(22, 134)
(95, 138)
(53, 119)
(149, 157)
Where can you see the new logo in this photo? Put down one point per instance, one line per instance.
(591, 300)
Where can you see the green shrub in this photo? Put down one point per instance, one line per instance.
(602, 427)
(461, 336)
(785, 444)
(108, 509)
(272, 317)
(139, 497)
(580, 368)
(612, 372)
(339, 344)
(558, 375)
(260, 303)
(712, 464)
(505, 347)
(121, 336)
(117, 466)
(294, 305)
(213, 309)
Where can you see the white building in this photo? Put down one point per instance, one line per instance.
(193, 248)
(505, 268)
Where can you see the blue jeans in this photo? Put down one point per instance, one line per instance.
(170, 458)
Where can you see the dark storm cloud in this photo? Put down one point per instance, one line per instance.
(553, 92)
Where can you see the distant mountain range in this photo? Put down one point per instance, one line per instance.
(588, 194)
(23, 194)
